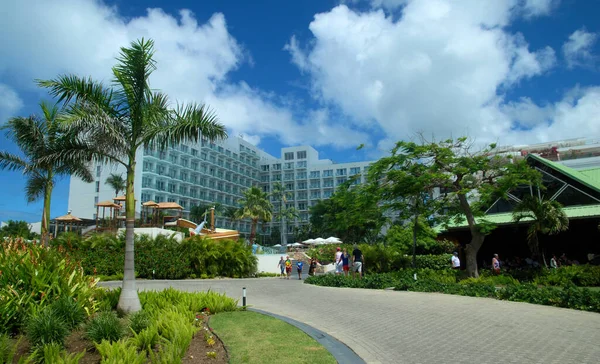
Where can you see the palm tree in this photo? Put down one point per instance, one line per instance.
(119, 119)
(255, 205)
(38, 137)
(280, 195)
(547, 217)
(232, 213)
(117, 182)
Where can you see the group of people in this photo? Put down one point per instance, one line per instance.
(285, 266)
(495, 263)
(342, 262)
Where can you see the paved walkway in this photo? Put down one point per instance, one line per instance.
(412, 327)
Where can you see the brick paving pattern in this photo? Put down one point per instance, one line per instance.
(411, 327)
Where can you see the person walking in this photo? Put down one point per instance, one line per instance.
(455, 261)
(357, 259)
(312, 267)
(299, 266)
(345, 262)
(338, 261)
(553, 262)
(288, 267)
(496, 264)
(281, 266)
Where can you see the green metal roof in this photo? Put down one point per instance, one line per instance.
(593, 173)
(569, 172)
(575, 212)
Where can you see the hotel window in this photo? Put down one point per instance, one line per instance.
(315, 174)
(301, 154)
(302, 185)
(301, 164)
(289, 156)
(289, 186)
(341, 172)
(301, 206)
(301, 175)
(95, 200)
(355, 170)
(315, 184)
(98, 171)
(97, 186)
(328, 173)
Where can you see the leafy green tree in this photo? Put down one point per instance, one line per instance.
(116, 182)
(16, 229)
(471, 182)
(400, 236)
(406, 185)
(115, 121)
(285, 214)
(255, 205)
(351, 214)
(547, 217)
(37, 137)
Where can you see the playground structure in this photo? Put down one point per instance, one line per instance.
(211, 232)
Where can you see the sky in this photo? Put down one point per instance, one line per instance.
(332, 74)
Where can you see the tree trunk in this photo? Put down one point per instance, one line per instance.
(253, 230)
(45, 229)
(129, 300)
(415, 229)
(477, 238)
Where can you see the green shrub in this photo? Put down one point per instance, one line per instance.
(45, 327)
(108, 299)
(105, 326)
(8, 348)
(120, 352)
(68, 311)
(138, 321)
(439, 262)
(54, 353)
(34, 276)
(192, 302)
(579, 275)
(146, 339)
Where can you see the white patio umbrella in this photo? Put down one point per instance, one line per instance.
(297, 244)
(309, 241)
(319, 241)
(333, 240)
(276, 245)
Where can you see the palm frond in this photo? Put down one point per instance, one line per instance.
(13, 162)
(67, 88)
(36, 186)
(27, 133)
(186, 123)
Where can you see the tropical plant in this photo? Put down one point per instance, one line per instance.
(255, 205)
(547, 217)
(116, 182)
(114, 122)
(16, 229)
(46, 327)
(280, 195)
(105, 326)
(37, 138)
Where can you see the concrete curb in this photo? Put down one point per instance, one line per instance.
(340, 351)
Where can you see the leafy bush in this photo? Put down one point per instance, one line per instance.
(400, 238)
(108, 299)
(192, 302)
(579, 275)
(219, 258)
(69, 311)
(146, 339)
(46, 327)
(138, 321)
(54, 353)
(105, 326)
(434, 261)
(35, 276)
(120, 352)
(8, 349)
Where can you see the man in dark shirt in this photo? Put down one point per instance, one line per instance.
(357, 259)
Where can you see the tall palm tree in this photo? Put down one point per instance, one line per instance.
(255, 205)
(232, 213)
(547, 217)
(38, 137)
(116, 182)
(280, 195)
(115, 121)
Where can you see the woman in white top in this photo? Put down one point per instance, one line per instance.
(338, 261)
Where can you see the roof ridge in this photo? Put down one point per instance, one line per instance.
(569, 172)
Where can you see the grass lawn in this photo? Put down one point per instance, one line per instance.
(251, 337)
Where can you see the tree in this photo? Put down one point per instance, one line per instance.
(407, 184)
(351, 214)
(115, 121)
(116, 182)
(255, 205)
(470, 180)
(547, 217)
(37, 138)
(16, 229)
(280, 194)
(401, 237)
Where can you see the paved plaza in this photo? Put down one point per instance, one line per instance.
(411, 327)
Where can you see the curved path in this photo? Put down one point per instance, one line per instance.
(411, 327)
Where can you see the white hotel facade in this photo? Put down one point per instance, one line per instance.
(204, 173)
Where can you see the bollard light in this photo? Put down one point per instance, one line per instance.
(415, 276)
(244, 296)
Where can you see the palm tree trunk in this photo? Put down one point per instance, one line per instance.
(253, 231)
(129, 300)
(45, 229)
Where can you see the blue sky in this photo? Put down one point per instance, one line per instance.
(333, 74)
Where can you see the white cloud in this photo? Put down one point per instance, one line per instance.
(533, 8)
(577, 49)
(10, 103)
(194, 60)
(443, 68)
